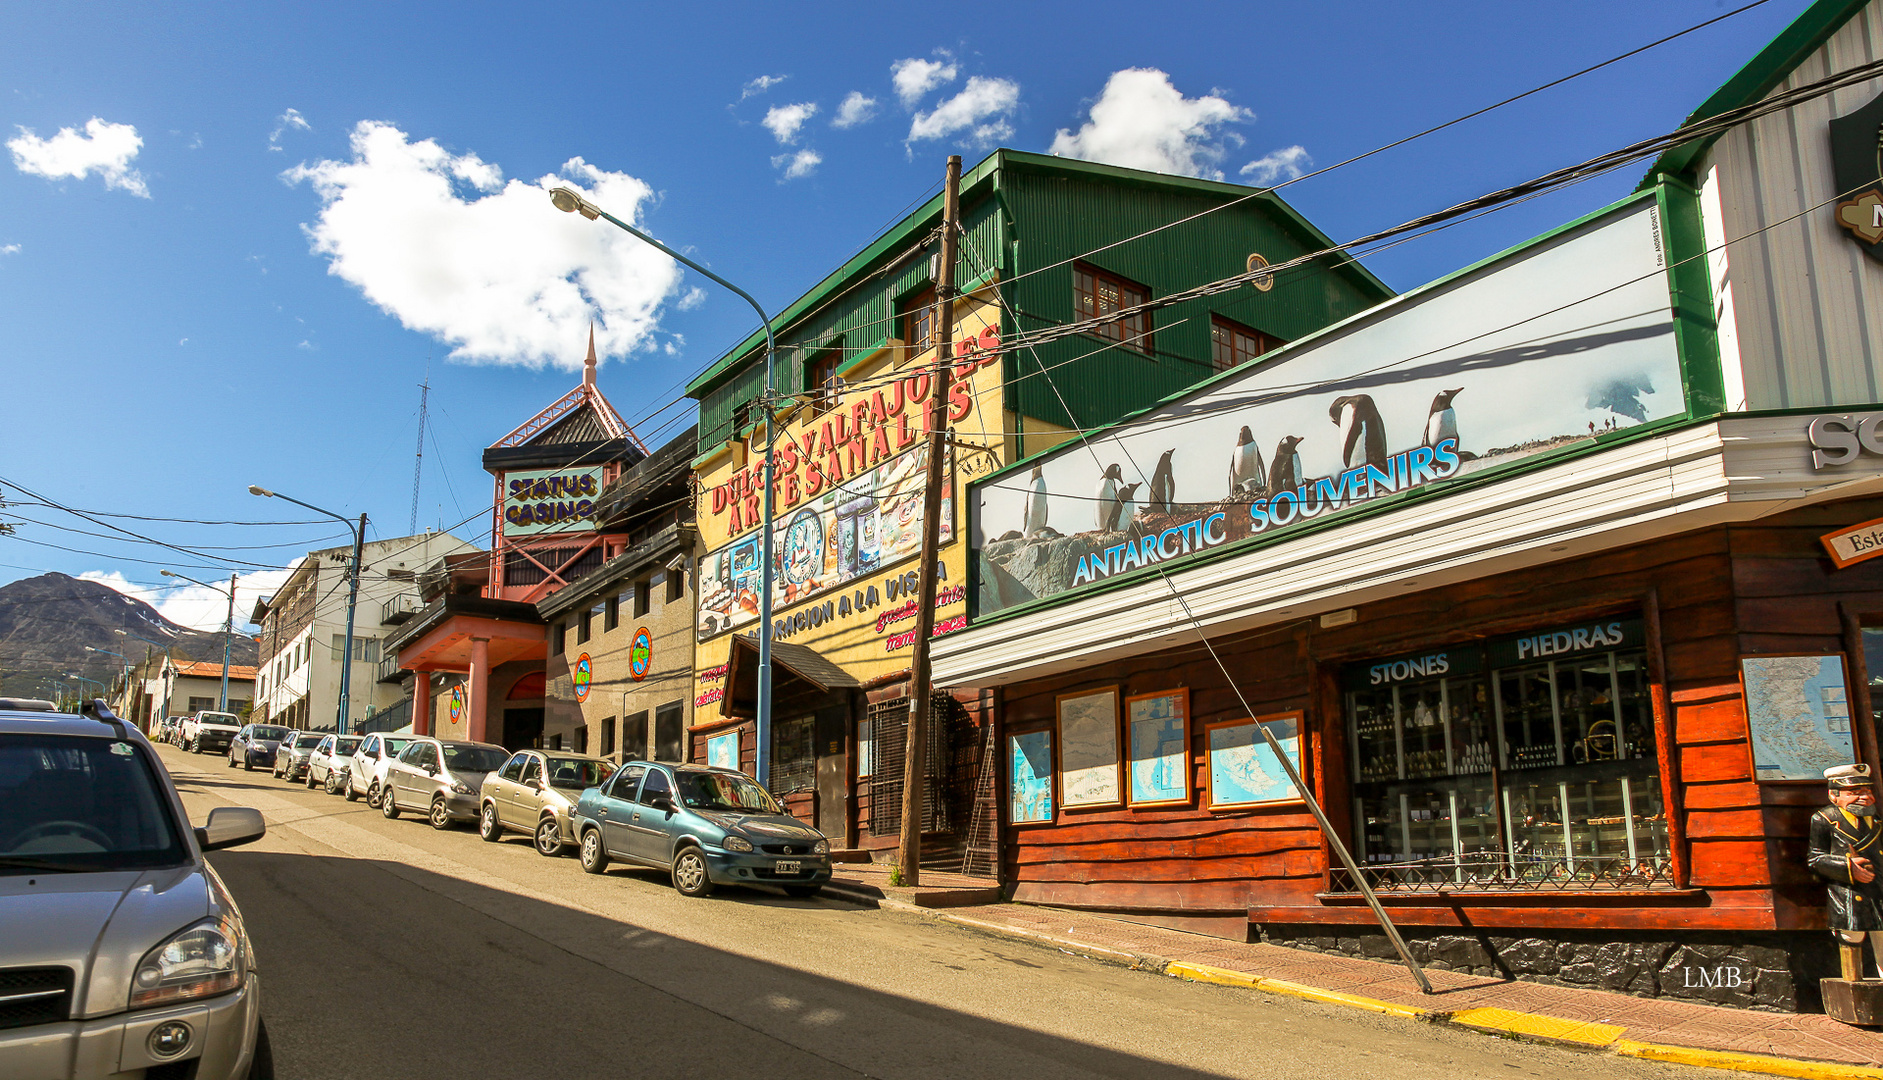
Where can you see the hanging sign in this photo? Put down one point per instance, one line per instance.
(640, 654)
(1855, 544)
(1856, 164)
(543, 502)
(584, 676)
(456, 706)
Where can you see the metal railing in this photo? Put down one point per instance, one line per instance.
(1494, 871)
(388, 669)
(400, 608)
(390, 719)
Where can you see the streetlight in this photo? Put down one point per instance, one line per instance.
(228, 629)
(353, 596)
(125, 704)
(570, 201)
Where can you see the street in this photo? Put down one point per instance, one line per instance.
(388, 949)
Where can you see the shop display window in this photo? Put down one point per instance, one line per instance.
(1488, 773)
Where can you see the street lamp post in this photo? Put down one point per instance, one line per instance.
(570, 201)
(353, 596)
(123, 705)
(228, 629)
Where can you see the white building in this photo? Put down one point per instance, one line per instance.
(304, 627)
(183, 687)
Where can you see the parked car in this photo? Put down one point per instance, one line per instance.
(256, 744)
(167, 729)
(532, 794)
(367, 772)
(209, 732)
(124, 953)
(330, 756)
(705, 826)
(442, 776)
(291, 759)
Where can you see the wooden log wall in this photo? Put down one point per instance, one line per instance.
(1712, 595)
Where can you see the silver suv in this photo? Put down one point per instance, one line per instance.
(123, 951)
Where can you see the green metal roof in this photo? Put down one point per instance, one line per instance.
(1793, 45)
(986, 173)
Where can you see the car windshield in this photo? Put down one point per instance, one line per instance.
(308, 742)
(576, 774)
(475, 758)
(349, 744)
(75, 803)
(393, 746)
(722, 791)
(269, 734)
(220, 718)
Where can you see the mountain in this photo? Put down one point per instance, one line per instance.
(47, 622)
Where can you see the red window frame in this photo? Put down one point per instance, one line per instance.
(1233, 344)
(1097, 293)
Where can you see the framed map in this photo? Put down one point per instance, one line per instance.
(1030, 778)
(1157, 736)
(1091, 772)
(1243, 770)
(722, 751)
(1798, 708)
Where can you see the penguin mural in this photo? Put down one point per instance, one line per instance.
(1284, 473)
(1124, 507)
(1247, 474)
(1442, 423)
(1362, 432)
(1106, 494)
(1036, 502)
(1163, 492)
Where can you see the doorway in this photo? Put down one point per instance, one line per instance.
(522, 729)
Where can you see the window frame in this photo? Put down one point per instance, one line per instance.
(1264, 343)
(917, 311)
(822, 381)
(1141, 338)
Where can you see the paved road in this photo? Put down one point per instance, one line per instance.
(392, 950)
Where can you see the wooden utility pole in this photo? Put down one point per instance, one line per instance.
(915, 757)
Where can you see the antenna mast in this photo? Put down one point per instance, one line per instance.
(418, 463)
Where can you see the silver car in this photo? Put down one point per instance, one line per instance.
(532, 794)
(441, 778)
(291, 759)
(327, 765)
(123, 950)
(367, 771)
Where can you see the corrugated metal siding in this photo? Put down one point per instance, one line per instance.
(1057, 217)
(1807, 303)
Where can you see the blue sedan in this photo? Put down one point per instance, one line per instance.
(706, 826)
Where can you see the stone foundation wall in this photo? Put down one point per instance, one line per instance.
(1777, 971)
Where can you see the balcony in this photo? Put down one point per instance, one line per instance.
(389, 669)
(400, 608)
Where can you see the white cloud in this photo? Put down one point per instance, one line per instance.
(914, 77)
(292, 120)
(857, 108)
(1141, 121)
(800, 164)
(182, 342)
(105, 148)
(982, 107)
(1288, 163)
(10, 249)
(444, 244)
(308, 345)
(694, 297)
(783, 121)
(760, 85)
(192, 605)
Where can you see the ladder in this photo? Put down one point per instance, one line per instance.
(982, 857)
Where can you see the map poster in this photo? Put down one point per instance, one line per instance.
(1798, 708)
(1090, 772)
(1243, 769)
(1157, 730)
(1030, 778)
(722, 751)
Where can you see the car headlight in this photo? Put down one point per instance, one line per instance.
(460, 787)
(822, 847)
(736, 843)
(206, 959)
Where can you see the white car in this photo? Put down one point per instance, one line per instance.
(366, 775)
(209, 732)
(326, 766)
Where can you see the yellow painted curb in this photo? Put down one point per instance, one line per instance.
(1529, 1025)
(1226, 977)
(1760, 1063)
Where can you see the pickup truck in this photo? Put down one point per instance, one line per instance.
(210, 732)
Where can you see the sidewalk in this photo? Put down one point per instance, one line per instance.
(1809, 1046)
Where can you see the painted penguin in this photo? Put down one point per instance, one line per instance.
(1163, 485)
(1443, 421)
(1247, 474)
(1284, 473)
(1106, 494)
(1362, 433)
(1124, 508)
(1036, 502)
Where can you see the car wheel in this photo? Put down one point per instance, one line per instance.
(488, 827)
(441, 814)
(387, 806)
(372, 794)
(689, 873)
(247, 765)
(548, 837)
(262, 1065)
(803, 892)
(332, 784)
(231, 759)
(594, 856)
(352, 793)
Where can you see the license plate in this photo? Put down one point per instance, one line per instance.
(790, 867)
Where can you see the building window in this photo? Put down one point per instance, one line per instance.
(202, 704)
(608, 736)
(611, 617)
(676, 585)
(581, 628)
(581, 740)
(634, 737)
(669, 731)
(866, 748)
(1234, 344)
(821, 373)
(364, 648)
(1096, 294)
(918, 320)
(643, 598)
(556, 639)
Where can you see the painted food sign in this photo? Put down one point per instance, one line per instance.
(640, 654)
(584, 676)
(559, 501)
(1549, 348)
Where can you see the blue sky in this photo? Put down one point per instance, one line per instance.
(174, 329)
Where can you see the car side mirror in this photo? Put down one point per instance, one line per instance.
(230, 826)
(662, 803)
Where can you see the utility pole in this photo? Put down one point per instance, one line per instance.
(418, 464)
(228, 631)
(915, 757)
(346, 655)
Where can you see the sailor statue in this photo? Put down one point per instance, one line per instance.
(1847, 852)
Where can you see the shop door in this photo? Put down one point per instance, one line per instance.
(833, 773)
(522, 729)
